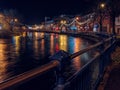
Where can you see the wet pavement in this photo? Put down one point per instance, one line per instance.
(111, 79)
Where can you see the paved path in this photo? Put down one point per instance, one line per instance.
(111, 80)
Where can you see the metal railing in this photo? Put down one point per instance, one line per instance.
(87, 78)
(19, 79)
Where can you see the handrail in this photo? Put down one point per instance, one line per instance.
(81, 69)
(89, 48)
(40, 70)
(103, 60)
(108, 39)
(28, 75)
(84, 50)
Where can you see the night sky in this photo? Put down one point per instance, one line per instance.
(34, 11)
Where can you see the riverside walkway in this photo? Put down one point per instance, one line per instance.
(111, 79)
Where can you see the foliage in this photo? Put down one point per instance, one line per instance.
(3, 22)
(10, 18)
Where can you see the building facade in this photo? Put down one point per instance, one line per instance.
(117, 23)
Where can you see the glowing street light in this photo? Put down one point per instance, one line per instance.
(63, 21)
(102, 5)
(101, 9)
(77, 18)
(16, 20)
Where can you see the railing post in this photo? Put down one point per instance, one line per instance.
(111, 39)
(62, 57)
(101, 61)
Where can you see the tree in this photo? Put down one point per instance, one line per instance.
(12, 17)
(3, 23)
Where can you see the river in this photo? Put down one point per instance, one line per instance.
(19, 54)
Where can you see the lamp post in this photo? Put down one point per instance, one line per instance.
(15, 20)
(102, 5)
(101, 8)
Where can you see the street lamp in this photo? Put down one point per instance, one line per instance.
(101, 8)
(102, 5)
(16, 20)
(63, 21)
(77, 18)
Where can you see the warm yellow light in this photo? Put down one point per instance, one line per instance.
(102, 5)
(63, 42)
(24, 34)
(41, 26)
(1, 15)
(77, 18)
(16, 19)
(63, 21)
(52, 44)
(51, 24)
(17, 43)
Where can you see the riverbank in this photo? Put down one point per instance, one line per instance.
(5, 34)
(8, 34)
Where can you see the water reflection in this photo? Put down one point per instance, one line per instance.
(42, 48)
(16, 42)
(63, 42)
(71, 45)
(30, 50)
(52, 44)
(5, 59)
(56, 43)
(3, 62)
(36, 48)
(77, 61)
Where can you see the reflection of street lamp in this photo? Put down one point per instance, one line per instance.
(101, 8)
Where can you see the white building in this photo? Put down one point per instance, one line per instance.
(117, 23)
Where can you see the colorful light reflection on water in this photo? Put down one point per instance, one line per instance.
(22, 53)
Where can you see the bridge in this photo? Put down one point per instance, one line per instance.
(86, 78)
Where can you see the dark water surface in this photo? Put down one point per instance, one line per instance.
(30, 50)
